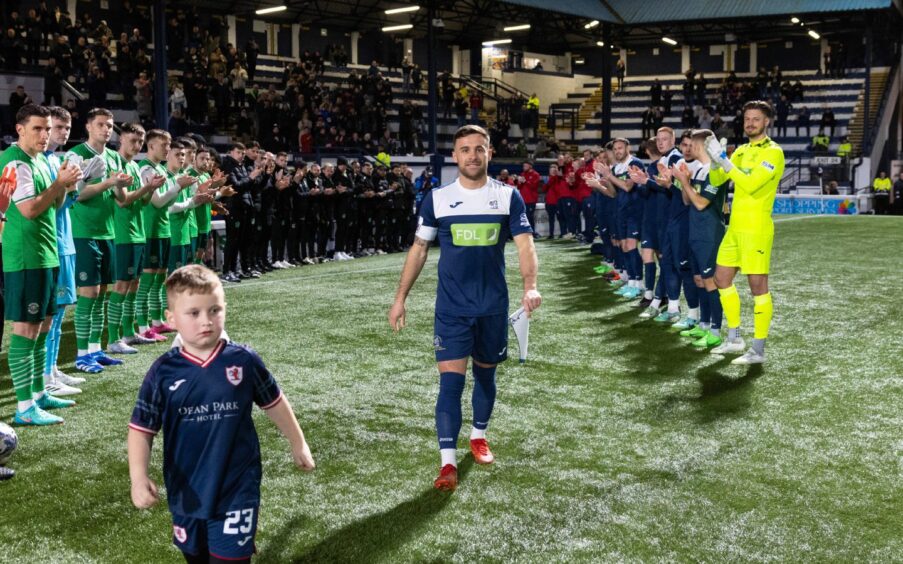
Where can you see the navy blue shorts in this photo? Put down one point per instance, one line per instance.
(675, 247)
(650, 234)
(484, 338)
(632, 226)
(703, 255)
(228, 537)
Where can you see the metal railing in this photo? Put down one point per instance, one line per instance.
(492, 87)
(566, 115)
(868, 144)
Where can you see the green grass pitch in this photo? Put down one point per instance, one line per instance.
(615, 442)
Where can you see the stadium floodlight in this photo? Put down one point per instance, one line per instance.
(600, 43)
(669, 41)
(591, 24)
(391, 11)
(794, 20)
(272, 10)
(814, 34)
(496, 42)
(398, 27)
(517, 27)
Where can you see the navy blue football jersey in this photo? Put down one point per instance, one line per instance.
(211, 454)
(473, 227)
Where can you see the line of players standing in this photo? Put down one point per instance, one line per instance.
(286, 216)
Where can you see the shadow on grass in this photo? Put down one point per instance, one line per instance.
(369, 539)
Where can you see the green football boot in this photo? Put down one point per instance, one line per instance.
(707, 341)
(48, 402)
(694, 333)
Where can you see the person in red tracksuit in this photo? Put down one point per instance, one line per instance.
(528, 184)
(584, 200)
(554, 189)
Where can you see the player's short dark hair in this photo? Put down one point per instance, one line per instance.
(281, 154)
(761, 105)
(94, 112)
(131, 127)
(188, 142)
(191, 279)
(469, 130)
(651, 147)
(702, 134)
(610, 146)
(239, 146)
(686, 134)
(253, 145)
(203, 149)
(620, 140)
(176, 144)
(31, 110)
(157, 134)
(62, 114)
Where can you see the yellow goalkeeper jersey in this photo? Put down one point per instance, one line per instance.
(757, 172)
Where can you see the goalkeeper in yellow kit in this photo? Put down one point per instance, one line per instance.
(756, 169)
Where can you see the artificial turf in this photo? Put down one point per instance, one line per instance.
(616, 441)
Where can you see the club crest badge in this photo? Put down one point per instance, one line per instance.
(234, 375)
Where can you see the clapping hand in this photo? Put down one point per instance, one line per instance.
(638, 175)
(664, 175)
(68, 175)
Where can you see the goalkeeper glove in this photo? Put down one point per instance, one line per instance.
(718, 155)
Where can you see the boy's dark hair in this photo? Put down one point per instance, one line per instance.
(761, 105)
(253, 145)
(188, 143)
(131, 127)
(239, 146)
(687, 134)
(203, 149)
(31, 110)
(94, 112)
(62, 114)
(701, 134)
(176, 144)
(157, 133)
(191, 279)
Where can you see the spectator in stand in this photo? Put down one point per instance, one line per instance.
(655, 93)
(796, 91)
(239, 78)
(803, 120)
(896, 195)
(476, 102)
(782, 112)
(701, 90)
(528, 185)
(252, 50)
(13, 50)
(831, 189)
(423, 185)
(506, 178)
(688, 118)
(553, 190)
(820, 142)
(620, 71)
(667, 96)
(882, 189)
(143, 96)
(845, 148)
(646, 122)
(688, 90)
(33, 37)
(827, 119)
(17, 99)
(417, 79)
(460, 109)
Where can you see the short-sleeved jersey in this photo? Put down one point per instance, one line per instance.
(201, 213)
(156, 220)
(65, 246)
(680, 211)
(129, 220)
(93, 219)
(473, 227)
(707, 224)
(211, 454)
(758, 169)
(28, 243)
(628, 202)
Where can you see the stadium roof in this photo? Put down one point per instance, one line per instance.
(558, 26)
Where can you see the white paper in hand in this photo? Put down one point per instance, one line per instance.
(520, 322)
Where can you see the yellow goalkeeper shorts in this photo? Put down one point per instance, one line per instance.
(750, 252)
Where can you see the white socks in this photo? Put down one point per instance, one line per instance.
(449, 456)
(477, 433)
(23, 406)
(693, 313)
(656, 303)
(93, 348)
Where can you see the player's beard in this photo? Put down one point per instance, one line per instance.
(758, 132)
(481, 175)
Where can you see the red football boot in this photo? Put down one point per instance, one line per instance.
(448, 478)
(152, 334)
(481, 453)
(165, 328)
